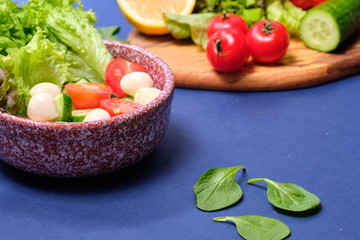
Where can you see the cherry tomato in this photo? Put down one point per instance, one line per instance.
(87, 95)
(115, 106)
(227, 50)
(306, 4)
(268, 41)
(225, 21)
(115, 70)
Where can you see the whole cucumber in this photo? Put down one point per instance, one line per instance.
(327, 25)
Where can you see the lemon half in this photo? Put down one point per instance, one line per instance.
(146, 15)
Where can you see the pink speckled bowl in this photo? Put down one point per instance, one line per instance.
(92, 148)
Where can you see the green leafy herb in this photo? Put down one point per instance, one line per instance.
(186, 26)
(285, 12)
(253, 227)
(217, 189)
(289, 196)
(47, 40)
(109, 33)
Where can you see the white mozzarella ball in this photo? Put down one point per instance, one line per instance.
(96, 114)
(42, 107)
(45, 87)
(145, 95)
(132, 82)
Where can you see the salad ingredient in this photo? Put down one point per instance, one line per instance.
(192, 26)
(250, 10)
(285, 12)
(258, 227)
(116, 70)
(45, 87)
(268, 41)
(217, 189)
(96, 114)
(225, 21)
(72, 29)
(327, 25)
(42, 107)
(145, 95)
(289, 196)
(128, 98)
(48, 41)
(87, 95)
(306, 4)
(64, 106)
(227, 50)
(132, 82)
(79, 114)
(109, 33)
(38, 61)
(146, 16)
(115, 106)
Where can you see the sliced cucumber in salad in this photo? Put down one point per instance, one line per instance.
(327, 25)
(64, 106)
(79, 115)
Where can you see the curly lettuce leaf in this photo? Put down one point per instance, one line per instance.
(38, 61)
(74, 27)
(47, 40)
(285, 12)
(189, 26)
(13, 34)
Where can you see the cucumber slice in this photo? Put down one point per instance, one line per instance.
(327, 25)
(79, 115)
(131, 99)
(64, 107)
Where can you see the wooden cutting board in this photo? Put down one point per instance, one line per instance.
(300, 67)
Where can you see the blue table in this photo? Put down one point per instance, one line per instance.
(309, 137)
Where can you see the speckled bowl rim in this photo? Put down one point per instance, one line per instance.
(166, 92)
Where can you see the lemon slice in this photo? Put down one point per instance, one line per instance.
(146, 15)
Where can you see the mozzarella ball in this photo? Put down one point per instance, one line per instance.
(96, 114)
(145, 95)
(42, 107)
(45, 87)
(132, 82)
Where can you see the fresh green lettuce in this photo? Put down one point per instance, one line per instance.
(12, 33)
(186, 26)
(285, 12)
(74, 28)
(47, 40)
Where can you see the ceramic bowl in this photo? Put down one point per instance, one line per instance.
(91, 148)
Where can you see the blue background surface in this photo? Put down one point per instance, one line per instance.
(309, 137)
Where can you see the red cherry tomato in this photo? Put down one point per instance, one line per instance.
(268, 41)
(227, 50)
(87, 95)
(115, 70)
(226, 21)
(306, 4)
(115, 106)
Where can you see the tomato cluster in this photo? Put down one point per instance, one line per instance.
(231, 42)
(89, 95)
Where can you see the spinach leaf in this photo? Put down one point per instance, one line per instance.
(289, 196)
(189, 26)
(253, 227)
(217, 189)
